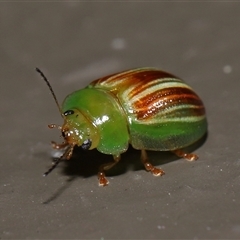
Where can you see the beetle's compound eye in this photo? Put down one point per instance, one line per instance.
(68, 112)
(86, 144)
(63, 134)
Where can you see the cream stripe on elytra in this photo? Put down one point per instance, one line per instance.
(113, 80)
(189, 119)
(158, 86)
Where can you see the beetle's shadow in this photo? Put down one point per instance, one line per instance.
(87, 163)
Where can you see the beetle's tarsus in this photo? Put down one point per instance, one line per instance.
(188, 156)
(101, 175)
(157, 171)
(148, 166)
(102, 179)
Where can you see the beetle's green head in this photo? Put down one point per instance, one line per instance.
(79, 130)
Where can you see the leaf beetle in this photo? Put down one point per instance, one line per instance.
(145, 107)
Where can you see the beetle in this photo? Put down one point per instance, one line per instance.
(145, 107)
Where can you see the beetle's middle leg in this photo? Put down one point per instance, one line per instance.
(101, 174)
(149, 167)
(188, 156)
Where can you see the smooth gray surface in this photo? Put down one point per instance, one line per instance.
(76, 42)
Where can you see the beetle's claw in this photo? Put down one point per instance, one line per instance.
(191, 157)
(102, 179)
(188, 156)
(157, 172)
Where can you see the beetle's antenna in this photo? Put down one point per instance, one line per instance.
(56, 162)
(51, 90)
(67, 154)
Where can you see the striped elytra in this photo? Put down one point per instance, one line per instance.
(163, 112)
(150, 93)
(145, 107)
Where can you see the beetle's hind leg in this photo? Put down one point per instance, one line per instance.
(101, 174)
(188, 156)
(148, 166)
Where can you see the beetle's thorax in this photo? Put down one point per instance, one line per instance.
(77, 129)
(101, 115)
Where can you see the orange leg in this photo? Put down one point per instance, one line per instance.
(55, 126)
(68, 154)
(101, 175)
(188, 156)
(148, 166)
(54, 144)
(59, 145)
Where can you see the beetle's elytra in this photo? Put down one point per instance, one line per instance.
(145, 107)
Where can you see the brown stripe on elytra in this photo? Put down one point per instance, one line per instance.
(150, 112)
(135, 77)
(116, 76)
(151, 106)
(166, 93)
(142, 80)
(145, 85)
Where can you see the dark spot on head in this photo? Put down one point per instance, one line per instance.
(63, 134)
(68, 112)
(86, 144)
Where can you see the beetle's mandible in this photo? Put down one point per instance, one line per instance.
(145, 107)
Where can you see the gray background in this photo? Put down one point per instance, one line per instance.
(77, 42)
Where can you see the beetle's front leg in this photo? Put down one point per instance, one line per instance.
(101, 175)
(54, 144)
(59, 145)
(188, 156)
(148, 166)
